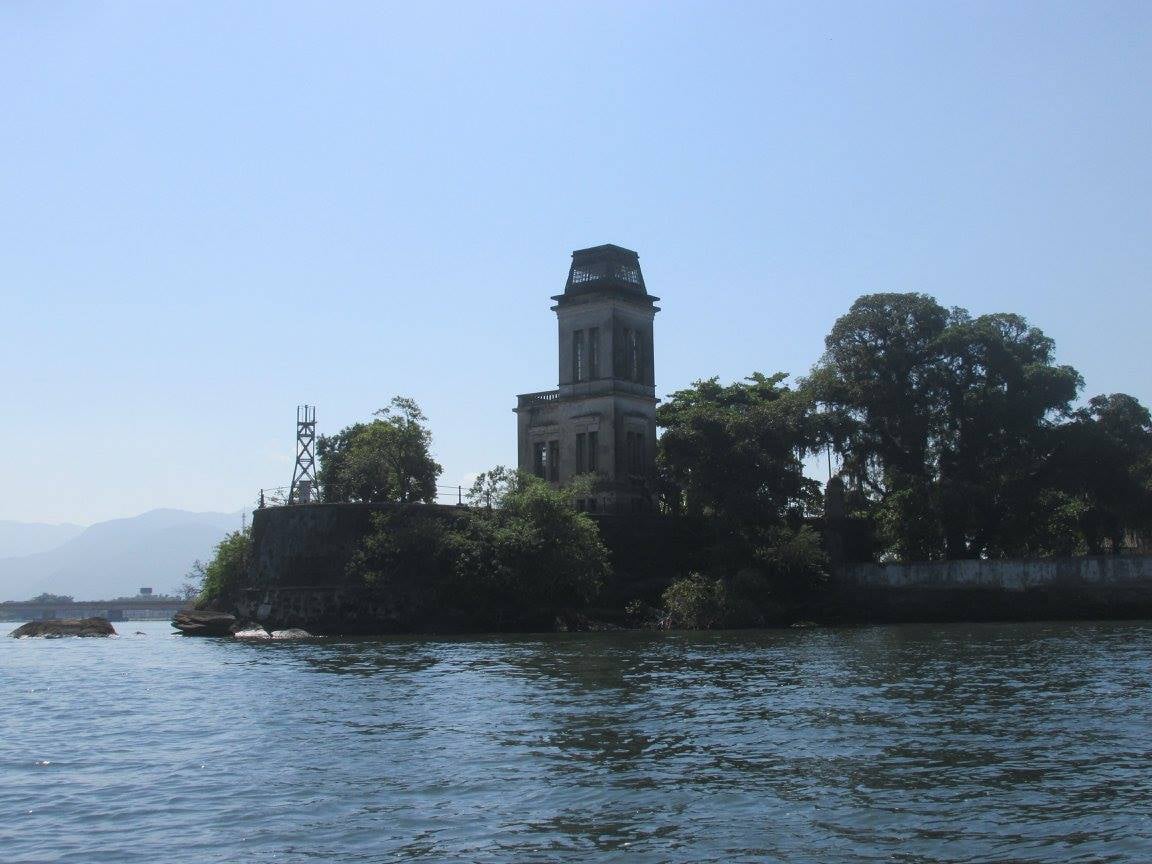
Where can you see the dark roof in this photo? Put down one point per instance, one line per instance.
(607, 268)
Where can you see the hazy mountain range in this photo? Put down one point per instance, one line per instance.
(28, 538)
(108, 559)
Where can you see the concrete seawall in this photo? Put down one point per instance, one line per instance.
(1088, 587)
(1006, 574)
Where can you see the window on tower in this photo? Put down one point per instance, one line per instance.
(539, 459)
(554, 461)
(634, 450)
(593, 353)
(579, 357)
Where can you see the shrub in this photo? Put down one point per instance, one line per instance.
(222, 578)
(695, 602)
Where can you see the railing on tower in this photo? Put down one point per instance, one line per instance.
(526, 400)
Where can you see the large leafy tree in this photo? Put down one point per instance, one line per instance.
(388, 459)
(736, 451)
(944, 422)
(1000, 395)
(878, 381)
(879, 385)
(734, 454)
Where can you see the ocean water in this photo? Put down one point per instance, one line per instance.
(957, 743)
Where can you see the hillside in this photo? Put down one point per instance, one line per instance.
(118, 557)
(28, 538)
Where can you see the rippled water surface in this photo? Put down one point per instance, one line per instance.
(914, 744)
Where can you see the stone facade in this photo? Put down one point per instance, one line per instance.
(601, 419)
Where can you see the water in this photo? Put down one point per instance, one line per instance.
(910, 744)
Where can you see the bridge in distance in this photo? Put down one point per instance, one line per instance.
(123, 609)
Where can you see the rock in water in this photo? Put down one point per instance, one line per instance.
(251, 631)
(291, 633)
(192, 622)
(65, 627)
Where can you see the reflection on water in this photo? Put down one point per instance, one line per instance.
(1022, 742)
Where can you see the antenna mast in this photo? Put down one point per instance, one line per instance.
(304, 474)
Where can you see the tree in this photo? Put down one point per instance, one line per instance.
(1001, 395)
(223, 578)
(735, 451)
(944, 423)
(734, 455)
(189, 589)
(387, 459)
(534, 552)
(877, 381)
(1104, 462)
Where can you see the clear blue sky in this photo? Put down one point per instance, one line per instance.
(211, 211)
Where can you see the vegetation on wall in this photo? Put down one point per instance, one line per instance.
(220, 580)
(520, 563)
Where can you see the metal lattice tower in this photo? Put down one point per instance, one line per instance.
(304, 474)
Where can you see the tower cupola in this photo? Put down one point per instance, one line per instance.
(606, 269)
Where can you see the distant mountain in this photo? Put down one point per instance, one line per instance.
(117, 558)
(28, 538)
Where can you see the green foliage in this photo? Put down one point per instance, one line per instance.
(735, 452)
(1104, 465)
(222, 578)
(525, 559)
(733, 455)
(51, 598)
(946, 423)
(533, 552)
(788, 564)
(695, 602)
(792, 558)
(388, 459)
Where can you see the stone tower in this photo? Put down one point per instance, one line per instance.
(601, 420)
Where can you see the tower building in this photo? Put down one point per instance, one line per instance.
(601, 420)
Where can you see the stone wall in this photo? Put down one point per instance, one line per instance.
(1018, 574)
(310, 545)
(299, 572)
(1007, 589)
(299, 576)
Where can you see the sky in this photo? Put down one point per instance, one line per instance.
(211, 212)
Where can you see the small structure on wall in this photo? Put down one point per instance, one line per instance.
(601, 420)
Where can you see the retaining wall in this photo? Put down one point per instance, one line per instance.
(1078, 588)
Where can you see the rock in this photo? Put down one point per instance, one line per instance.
(292, 633)
(192, 622)
(65, 627)
(251, 631)
(804, 625)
